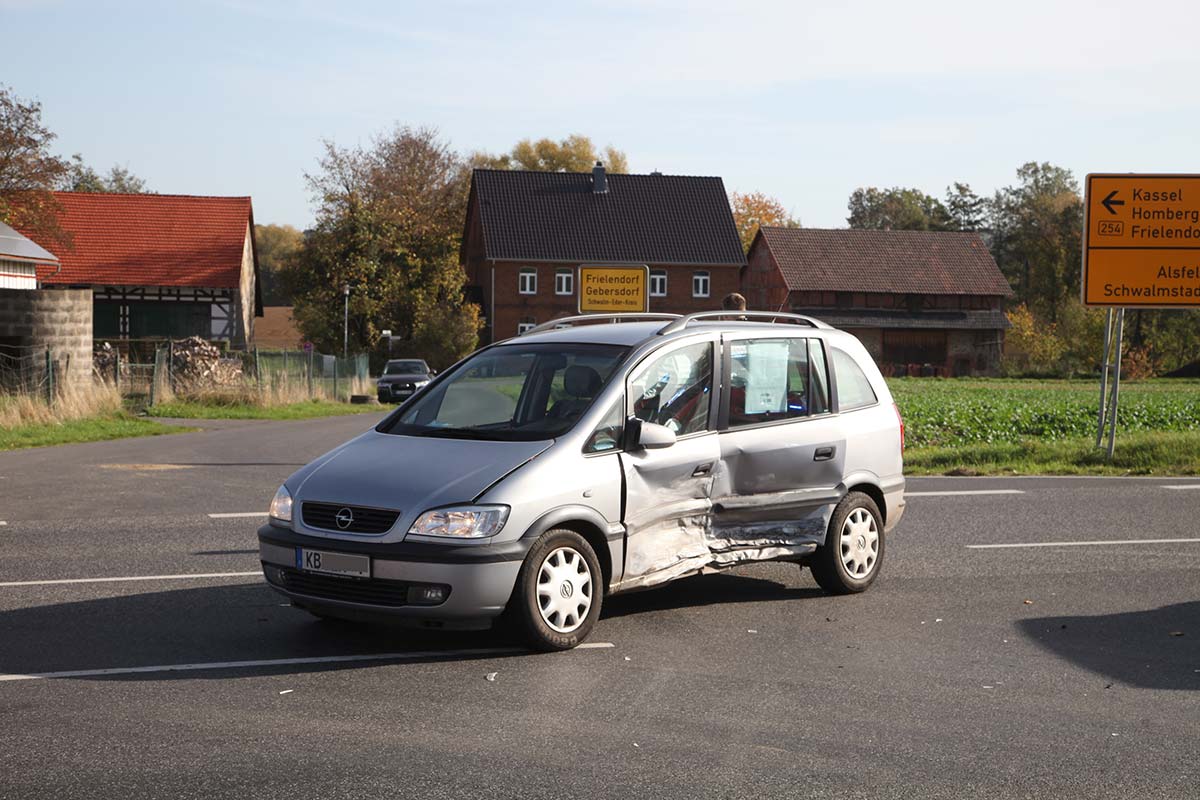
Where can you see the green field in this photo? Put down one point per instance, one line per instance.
(982, 426)
(220, 408)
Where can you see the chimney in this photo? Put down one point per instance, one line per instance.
(599, 181)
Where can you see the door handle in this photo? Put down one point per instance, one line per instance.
(824, 453)
(702, 470)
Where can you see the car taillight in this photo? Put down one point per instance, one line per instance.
(900, 419)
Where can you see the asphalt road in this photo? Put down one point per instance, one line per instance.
(1070, 670)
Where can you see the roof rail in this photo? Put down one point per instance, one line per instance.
(568, 322)
(739, 316)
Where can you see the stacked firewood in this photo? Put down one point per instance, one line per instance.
(197, 365)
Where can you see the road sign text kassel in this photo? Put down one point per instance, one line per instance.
(1141, 241)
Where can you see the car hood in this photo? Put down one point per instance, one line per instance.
(419, 376)
(410, 473)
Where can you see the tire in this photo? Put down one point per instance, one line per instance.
(556, 600)
(852, 555)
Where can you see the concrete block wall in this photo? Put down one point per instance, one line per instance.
(58, 319)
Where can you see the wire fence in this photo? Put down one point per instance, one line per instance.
(32, 372)
(146, 372)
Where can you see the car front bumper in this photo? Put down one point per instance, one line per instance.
(480, 579)
(391, 392)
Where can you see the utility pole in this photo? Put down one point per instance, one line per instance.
(346, 321)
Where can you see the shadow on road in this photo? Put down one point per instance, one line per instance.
(212, 624)
(1155, 649)
(703, 590)
(249, 622)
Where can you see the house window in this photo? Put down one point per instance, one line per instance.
(699, 284)
(564, 281)
(527, 281)
(658, 283)
(525, 325)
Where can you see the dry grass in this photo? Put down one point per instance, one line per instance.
(97, 400)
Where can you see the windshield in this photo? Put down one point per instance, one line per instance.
(512, 393)
(405, 368)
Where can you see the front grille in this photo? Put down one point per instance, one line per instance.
(348, 590)
(366, 520)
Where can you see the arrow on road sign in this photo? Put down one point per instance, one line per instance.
(1108, 202)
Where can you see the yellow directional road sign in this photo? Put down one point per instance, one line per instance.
(1141, 241)
(609, 289)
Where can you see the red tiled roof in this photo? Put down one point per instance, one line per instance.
(151, 240)
(900, 262)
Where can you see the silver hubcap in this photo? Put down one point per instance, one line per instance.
(859, 543)
(564, 589)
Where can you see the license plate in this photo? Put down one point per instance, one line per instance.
(328, 563)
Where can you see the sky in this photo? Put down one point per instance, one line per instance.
(805, 101)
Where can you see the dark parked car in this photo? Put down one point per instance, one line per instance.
(401, 378)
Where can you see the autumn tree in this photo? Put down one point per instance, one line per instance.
(277, 246)
(28, 170)
(897, 209)
(966, 210)
(752, 211)
(1037, 229)
(388, 222)
(573, 154)
(82, 178)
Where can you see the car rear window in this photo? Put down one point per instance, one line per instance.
(853, 388)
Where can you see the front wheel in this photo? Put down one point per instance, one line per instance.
(557, 598)
(849, 560)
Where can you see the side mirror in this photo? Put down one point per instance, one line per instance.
(655, 437)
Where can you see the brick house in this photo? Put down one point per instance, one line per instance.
(527, 233)
(161, 265)
(923, 302)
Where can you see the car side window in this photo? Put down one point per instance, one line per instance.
(675, 389)
(819, 374)
(607, 436)
(772, 379)
(854, 390)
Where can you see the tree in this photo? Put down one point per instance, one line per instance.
(896, 209)
(389, 219)
(574, 154)
(752, 211)
(28, 170)
(1037, 226)
(966, 210)
(82, 178)
(277, 246)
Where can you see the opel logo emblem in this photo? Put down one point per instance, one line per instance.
(344, 518)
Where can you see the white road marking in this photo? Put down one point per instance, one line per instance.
(184, 577)
(2, 523)
(966, 492)
(239, 514)
(1080, 544)
(593, 645)
(267, 662)
(1180, 486)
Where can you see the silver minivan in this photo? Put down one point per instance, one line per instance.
(596, 455)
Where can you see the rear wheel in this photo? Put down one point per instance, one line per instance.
(850, 559)
(557, 598)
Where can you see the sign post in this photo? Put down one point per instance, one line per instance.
(614, 289)
(1141, 249)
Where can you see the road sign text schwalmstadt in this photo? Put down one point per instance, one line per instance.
(608, 289)
(1141, 241)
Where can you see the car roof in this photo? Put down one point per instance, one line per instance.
(629, 334)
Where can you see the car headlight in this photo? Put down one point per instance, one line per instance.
(419, 384)
(281, 505)
(461, 522)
